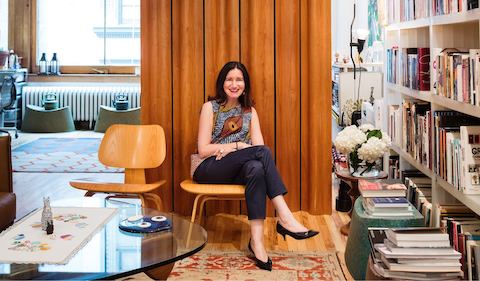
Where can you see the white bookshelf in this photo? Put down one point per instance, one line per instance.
(417, 165)
(458, 30)
(471, 201)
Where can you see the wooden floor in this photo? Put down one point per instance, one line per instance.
(225, 232)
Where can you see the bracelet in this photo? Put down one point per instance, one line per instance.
(236, 145)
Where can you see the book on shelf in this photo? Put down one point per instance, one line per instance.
(472, 258)
(416, 124)
(394, 167)
(381, 188)
(472, 4)
(456, 74)
(470, 159)
(409, 67)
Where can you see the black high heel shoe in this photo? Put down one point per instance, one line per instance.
(262, 265)
(296, 235)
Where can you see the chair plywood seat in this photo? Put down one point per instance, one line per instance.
(107, 187)
(206, 192)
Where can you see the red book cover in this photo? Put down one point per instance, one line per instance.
(424, 69)
(381, 188)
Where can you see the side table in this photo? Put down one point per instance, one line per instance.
(358, 248)
(345, 175)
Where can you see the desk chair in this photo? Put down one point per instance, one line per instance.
(206, 192)
(8, 96)
(135, 148)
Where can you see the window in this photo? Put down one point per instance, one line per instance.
(89, 32)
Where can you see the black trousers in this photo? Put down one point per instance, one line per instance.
(253, 167)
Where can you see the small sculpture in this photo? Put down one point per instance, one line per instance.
(46, 214)
(50, 227)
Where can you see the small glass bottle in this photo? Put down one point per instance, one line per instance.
(54, 68)
(42, 65)
(12, 60)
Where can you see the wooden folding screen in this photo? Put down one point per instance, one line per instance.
(285, 44)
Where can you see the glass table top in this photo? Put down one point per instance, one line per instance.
(112, 253)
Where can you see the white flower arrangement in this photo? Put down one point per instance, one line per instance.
(365, 143)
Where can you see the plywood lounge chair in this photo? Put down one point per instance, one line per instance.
(135, 148)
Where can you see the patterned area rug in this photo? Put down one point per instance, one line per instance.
(289, 266)
(60, 155)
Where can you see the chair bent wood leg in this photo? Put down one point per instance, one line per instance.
(89, 193)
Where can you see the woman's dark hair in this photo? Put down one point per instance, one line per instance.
(220, 95)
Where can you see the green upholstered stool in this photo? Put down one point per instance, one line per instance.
(108, 116)
(358, 246)
(39, 120)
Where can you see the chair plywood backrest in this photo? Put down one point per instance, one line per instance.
(133, 146)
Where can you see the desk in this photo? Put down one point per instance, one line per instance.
(112, 254)
(345, 175)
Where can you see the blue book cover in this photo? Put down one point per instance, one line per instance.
(401, 201)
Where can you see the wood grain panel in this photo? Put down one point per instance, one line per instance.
(316, 106)
(20, 37)
(156, 83)
(287, 44)
(257, 51)
(188, 91)
(222, 44)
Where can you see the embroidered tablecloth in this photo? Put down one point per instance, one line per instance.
(26, 242)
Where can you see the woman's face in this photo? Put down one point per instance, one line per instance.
(234, 84)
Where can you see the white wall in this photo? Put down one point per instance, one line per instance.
(4, 24)
(342, 15)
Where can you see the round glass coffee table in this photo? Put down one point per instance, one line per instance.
(112, 253)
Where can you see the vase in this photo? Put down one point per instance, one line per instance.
(362, 170)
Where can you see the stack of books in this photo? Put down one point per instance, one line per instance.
(385, 198)
(387, 206)
(414, 253)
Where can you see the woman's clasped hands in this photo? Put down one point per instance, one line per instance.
(220, 153)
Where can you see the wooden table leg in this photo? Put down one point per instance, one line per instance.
(353, 193)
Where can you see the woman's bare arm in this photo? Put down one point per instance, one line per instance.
(255, 131)
(205, 126)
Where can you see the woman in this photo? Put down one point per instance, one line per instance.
(231, 145)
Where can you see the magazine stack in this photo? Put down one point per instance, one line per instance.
(385, 198)
(418, 253)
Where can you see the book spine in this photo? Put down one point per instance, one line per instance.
(424, 69)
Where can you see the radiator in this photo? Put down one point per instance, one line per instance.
(84, 100)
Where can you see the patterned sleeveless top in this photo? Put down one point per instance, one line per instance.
(230, 125)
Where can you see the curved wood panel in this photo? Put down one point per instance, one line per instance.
(316, 117)
(156, 98)
(290, 73)
(287, 44)
(222, 44)
(188, 91)
(257, 51)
